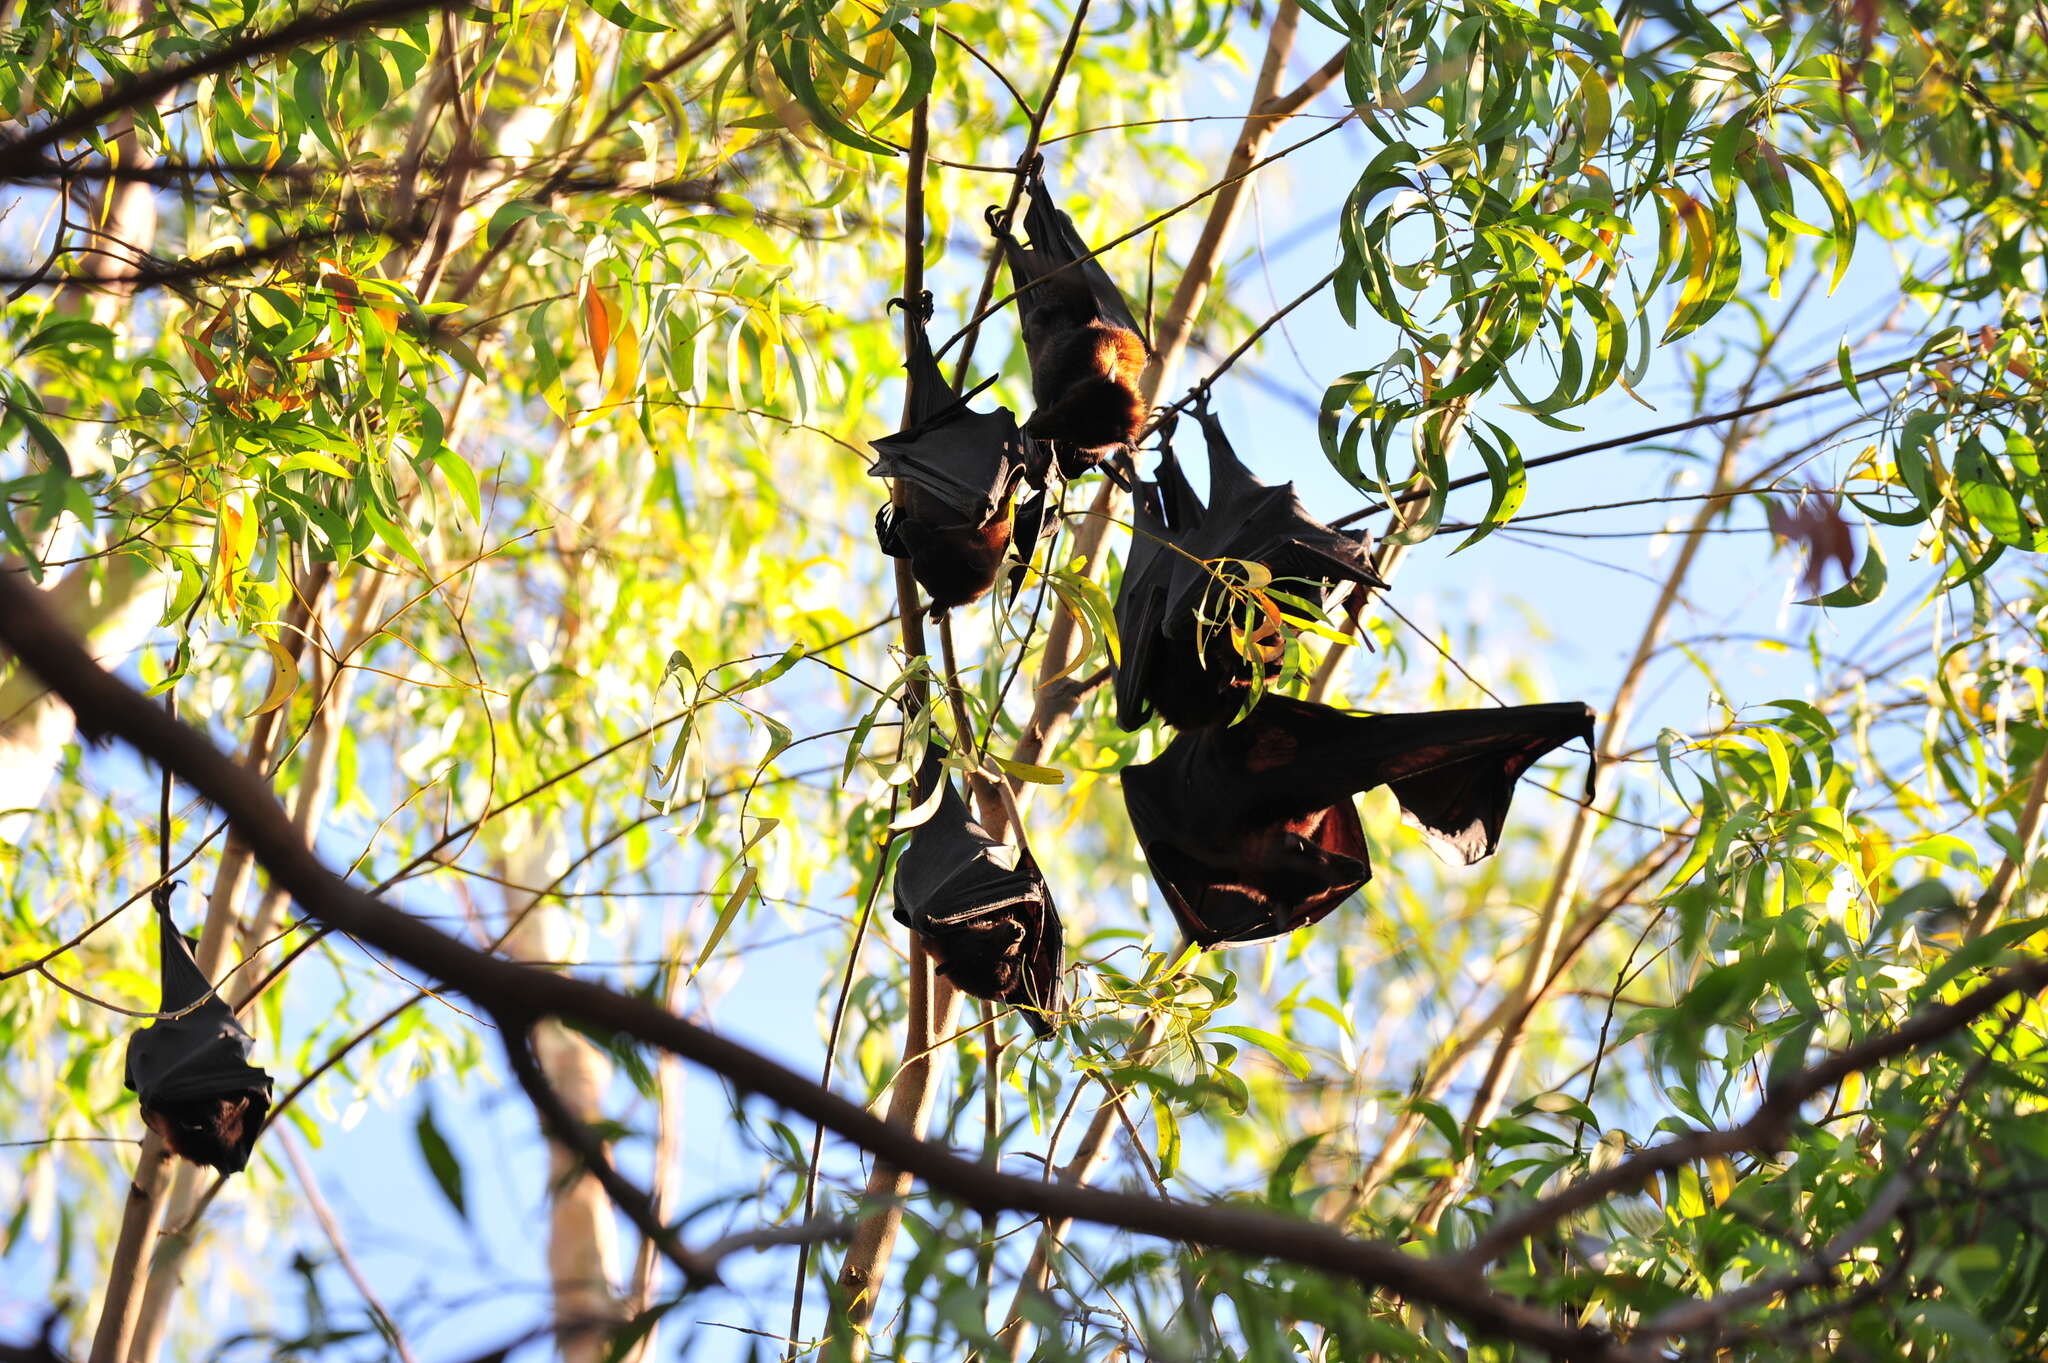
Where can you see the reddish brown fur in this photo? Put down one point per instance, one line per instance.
(1084, 370)
(955, 564)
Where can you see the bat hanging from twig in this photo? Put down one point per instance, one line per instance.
(1086, 349)
(190, 1069)
(981, 906)
(953, 474)
(1174, 613)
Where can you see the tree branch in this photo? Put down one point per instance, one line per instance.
(1766, 1128)
(562, 1124)
(26, 150)
(110, 708)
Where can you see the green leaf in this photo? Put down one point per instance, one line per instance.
(1868, 583)
(441, 1160)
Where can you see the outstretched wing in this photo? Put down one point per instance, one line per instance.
(1250, 828)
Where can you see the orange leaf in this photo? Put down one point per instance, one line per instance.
(597, 325)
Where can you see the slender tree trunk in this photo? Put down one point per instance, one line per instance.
(582, 1238)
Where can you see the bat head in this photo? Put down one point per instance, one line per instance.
(216, 1132)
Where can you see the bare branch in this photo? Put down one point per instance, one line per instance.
(1774, 1117)
(110, 708)
(24, 152)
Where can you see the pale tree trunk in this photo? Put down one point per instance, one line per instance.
(106, 603)
(583, 1259)
(112, 605)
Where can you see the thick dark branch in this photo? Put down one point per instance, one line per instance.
(108, 708)
(25, 151)
(564, 1126)
(1767, 1127)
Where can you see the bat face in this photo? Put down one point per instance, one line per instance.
(1250, 828)
(216, 1132)
(989, 925)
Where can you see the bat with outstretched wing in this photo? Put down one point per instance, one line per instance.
(190, 1069)
(1251, 830)
(982, 908)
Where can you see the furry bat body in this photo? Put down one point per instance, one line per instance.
(1086, 349)
(982, 908)
(1178, 659)
(953, 474)
(191, 1072)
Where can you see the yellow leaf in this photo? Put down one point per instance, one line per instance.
(313, 459)
(245, 531)
(1852, 1093)
(1024, 771)
(1722, 1175)
(626, 374)
(284, 677)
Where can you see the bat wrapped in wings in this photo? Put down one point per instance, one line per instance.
(1086, 349)
(1173, 611)
(190, 1069)
(953, 474)
(981, 906)
(1251, 830)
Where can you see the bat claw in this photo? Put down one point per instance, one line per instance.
(923, 310)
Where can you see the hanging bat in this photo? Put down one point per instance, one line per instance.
(1086, 349)
(1251, 831)
(1172, 613)
(952, 475)
(981, 907)
(191, 1073)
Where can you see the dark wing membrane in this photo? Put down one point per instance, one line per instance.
(1261, 523)
(1187, 670)
(969, 463)
(930, 395)
(1454, 771)
(1055, 247)
(990, 928)
(1141, 607)
(1250, 828)
(1166, 514)
(1243, 880)
(191, 1073)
